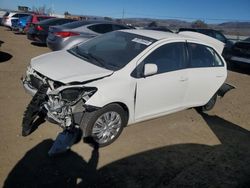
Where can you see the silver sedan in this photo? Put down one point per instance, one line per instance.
(68, 35)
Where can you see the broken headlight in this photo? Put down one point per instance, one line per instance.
(74, 94)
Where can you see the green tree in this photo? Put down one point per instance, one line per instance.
(199, 24)
(152, 24)
(108, 19)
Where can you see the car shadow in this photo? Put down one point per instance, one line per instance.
(37, 169)
(182, 165)
(39, 44)
(5, 57)
(19, 33)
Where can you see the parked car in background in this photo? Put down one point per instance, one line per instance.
(18, 25)
(68, 35)
(35, 18)
(124, 77)
(241, 52)
(159, 28)
(9, 16)
(217, 35)
(39, 32)
(2, 13)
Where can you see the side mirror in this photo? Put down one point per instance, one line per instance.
(150, 69)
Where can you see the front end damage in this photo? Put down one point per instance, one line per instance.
(58, 103)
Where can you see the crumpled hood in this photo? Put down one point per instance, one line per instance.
(64, 67)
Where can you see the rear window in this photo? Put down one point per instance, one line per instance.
(42, 18)
(101, 28)
(220, 37)
(49, 21)
(75, 24)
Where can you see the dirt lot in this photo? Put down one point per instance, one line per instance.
(185, 149)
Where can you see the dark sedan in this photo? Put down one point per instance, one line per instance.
(159, 28)
(241, 52)
(39, 32)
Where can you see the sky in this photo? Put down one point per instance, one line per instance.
(210, 11)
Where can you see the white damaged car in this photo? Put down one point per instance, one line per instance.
(124, 77)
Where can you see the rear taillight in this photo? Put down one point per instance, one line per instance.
(65, 34)
(39, 28)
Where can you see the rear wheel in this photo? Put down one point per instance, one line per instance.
(104, 125)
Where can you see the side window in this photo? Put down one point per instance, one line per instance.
(101, 28)
(169, 57)
(202, 56)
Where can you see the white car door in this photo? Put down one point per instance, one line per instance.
(206, 74)
(164, 91)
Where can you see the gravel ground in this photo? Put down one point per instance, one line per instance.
(185, 149)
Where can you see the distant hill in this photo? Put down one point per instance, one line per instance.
(233, 28)
(171, 23)
(235, 25)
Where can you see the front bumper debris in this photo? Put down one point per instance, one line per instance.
(28, 88)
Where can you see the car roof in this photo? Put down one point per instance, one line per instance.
(186, 35)
(87, 22)
(42, 15)
(158, 35)
(26, 13)
(53, 20)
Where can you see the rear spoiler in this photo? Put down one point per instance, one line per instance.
(216, 44)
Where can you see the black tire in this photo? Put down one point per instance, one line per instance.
(209, 106)
(33, 116)
(90, 118)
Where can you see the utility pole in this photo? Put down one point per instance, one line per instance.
(123, 12)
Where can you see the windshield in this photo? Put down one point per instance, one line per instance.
(112, 50)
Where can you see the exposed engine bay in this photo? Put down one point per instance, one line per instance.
(59, 103)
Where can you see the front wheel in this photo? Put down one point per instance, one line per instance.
(105, 125)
